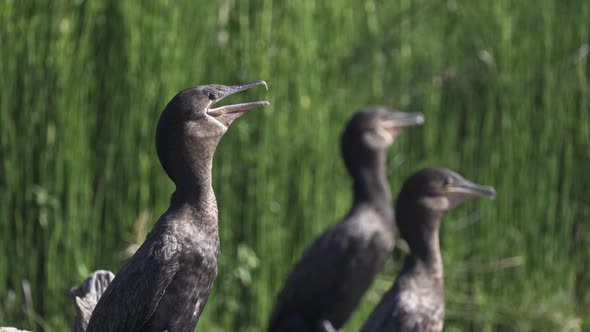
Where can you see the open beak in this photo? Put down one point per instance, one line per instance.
(399, 121)
(463, 190)
(228, 113)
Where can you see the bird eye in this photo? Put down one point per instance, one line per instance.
(212, 96)
(447, 182)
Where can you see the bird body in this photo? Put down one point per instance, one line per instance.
(166, 284)
(414, 303)
(187, 257)
(332, 283)
(334, 272)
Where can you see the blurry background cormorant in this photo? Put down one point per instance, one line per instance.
(416, 300)
(334, 272)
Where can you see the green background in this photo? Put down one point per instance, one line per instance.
(504, 86)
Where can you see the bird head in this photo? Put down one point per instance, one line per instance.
(372, 130)
(190, 127)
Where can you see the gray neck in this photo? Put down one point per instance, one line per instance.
(370, 181)
(424, 274)
(195, 207)
(424, 242)
(194, 196)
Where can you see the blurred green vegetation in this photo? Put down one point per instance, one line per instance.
(504, 86)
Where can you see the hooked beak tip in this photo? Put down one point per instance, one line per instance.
(419, 119)
(491, 193)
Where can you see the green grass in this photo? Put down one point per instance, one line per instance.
(504, 86)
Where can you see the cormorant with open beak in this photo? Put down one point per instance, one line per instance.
(165, 285)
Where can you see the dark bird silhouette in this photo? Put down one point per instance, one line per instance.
(416, 300)
(165, 285)
(328, 282)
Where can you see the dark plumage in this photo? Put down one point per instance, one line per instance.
(416, 300)
(165, 285)
(328, 282)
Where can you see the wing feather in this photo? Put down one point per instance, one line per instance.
(133, 296)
